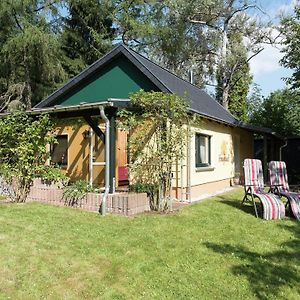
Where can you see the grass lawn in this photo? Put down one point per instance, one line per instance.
(210, 250)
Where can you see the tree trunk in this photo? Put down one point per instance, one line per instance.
(225, 96)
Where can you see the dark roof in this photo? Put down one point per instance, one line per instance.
(199, 101)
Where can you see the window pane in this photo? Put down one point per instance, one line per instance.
(59, 151)
(202, 150)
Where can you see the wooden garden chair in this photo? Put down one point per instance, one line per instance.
(271, 204)
(279, 185)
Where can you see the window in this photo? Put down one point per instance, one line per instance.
(59, 151)
(202, 144)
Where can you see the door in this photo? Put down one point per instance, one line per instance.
(122, 157)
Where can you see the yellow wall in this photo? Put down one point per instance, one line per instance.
(223, 164)
(222, 151)
(222, 155)
(78, 154)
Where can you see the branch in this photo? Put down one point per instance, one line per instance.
(210, 84)
(45, 6)
(238, 10)
(254, 54)
(234, 68)
(17, 21)
(203, 23)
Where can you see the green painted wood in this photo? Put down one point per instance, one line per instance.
(116, 80)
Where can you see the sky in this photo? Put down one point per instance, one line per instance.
(265, 67)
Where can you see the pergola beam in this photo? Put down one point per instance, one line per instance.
(95, 127)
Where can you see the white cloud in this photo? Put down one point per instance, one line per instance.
(266, 61)
(279, 8)
(288, 7)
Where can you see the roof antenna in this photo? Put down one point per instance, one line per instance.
(191, 76)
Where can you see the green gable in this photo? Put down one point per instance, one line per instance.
(116, 80)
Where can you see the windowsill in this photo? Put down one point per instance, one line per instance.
(205, 169)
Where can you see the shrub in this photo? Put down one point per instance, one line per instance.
(23, 140)
(151, 190)
(75, 192)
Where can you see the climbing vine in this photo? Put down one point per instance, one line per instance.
(156, 123)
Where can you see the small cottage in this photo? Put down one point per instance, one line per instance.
(95, 150)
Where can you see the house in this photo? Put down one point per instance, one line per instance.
(214, 151)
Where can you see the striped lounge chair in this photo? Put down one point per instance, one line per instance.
(272, 206)
(279, 184)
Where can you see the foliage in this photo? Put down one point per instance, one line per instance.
(87, 33)
(290, 29)
(209, 250)
(75, 192)
(280, 111)
(23, 142)
(29, 53)
(236, 78)
(156, 125)
(151, 190)
(196, 35)
(254, 102)
(50, 174)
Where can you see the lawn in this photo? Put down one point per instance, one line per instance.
(212, 249)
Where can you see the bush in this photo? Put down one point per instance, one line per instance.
(75, 192)
(151, 190)
(51, 174)
(23, 140)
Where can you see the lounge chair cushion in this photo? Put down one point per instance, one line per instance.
(272, 206)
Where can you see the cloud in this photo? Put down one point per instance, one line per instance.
(288, 7)
(276, 9)
(266, 61)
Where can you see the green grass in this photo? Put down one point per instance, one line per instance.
(211, 250)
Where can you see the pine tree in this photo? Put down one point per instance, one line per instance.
(87, 33)
(29, 54)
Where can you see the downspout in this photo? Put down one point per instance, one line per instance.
(91, 150)
(107, 133)
(181, 176)
(189, 150)
(189, 165)
(280, 149)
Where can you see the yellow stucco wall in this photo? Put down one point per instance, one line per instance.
(225, 163)
(222, 151)
(78, 154)
(222, 155)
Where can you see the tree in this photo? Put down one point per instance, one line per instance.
(156, 124)
(290, 29)
(254, 102)
(23, 142)
(196, 35)
(29, 54)
(238, 77)
(280, 112)
(87, 33)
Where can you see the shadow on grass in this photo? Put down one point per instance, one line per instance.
(237, 203)
(269, 273)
